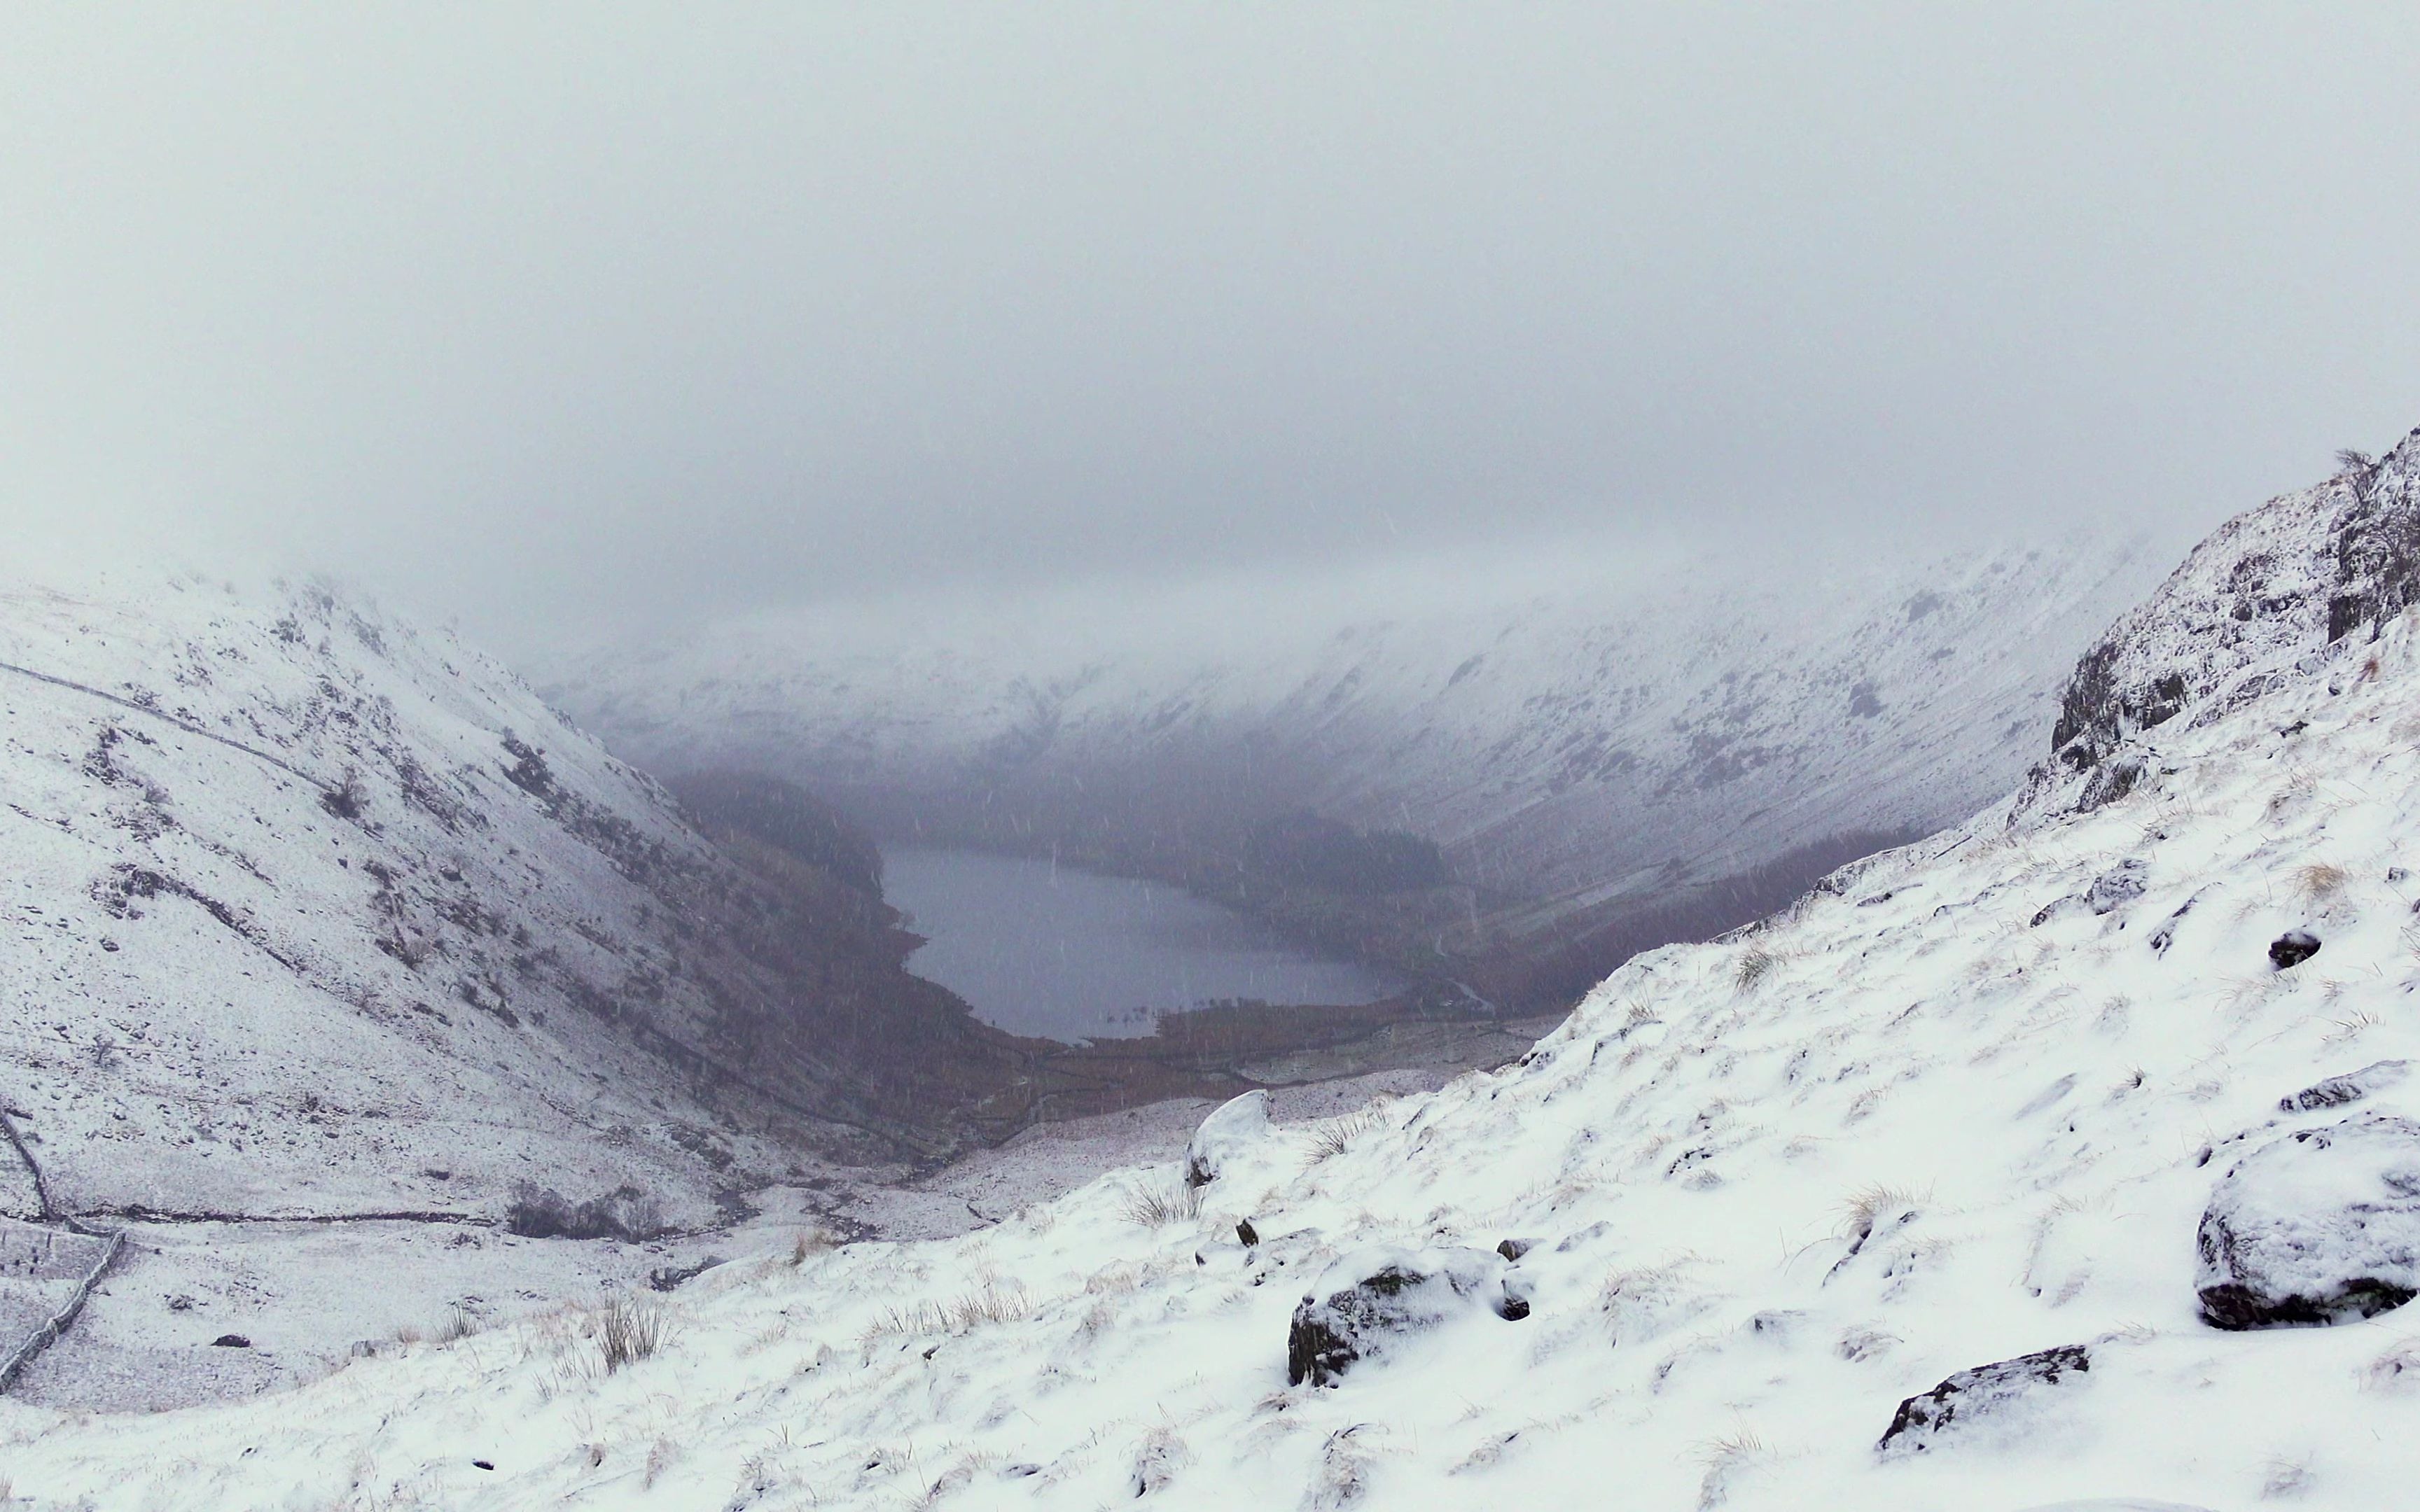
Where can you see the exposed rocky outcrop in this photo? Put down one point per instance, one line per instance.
(2336, 1091)
(1388, 1295)
(1985, 1392)
(2274, 589)
(2320, 1226)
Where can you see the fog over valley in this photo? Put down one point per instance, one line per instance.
(985, 757)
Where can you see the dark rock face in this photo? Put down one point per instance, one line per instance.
(2292, 948)
(542, 1213)
(231, 1341)
(2266, 590)
(2110, 781)
(1980, 1393)
(2349, 1088)
(2320, 1226)
(1392, 1294)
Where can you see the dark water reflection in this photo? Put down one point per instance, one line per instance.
(1045, 950)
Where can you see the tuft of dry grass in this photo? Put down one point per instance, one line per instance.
(807, 1243)
(459, 1325)
(2320, 880)
(1870, 1205)
(923, 1317)
(660, 1455)
(1724, 1458)
(993, 1303)
(627, 1330)
(1755, 964)
(1155, 1207)
(2351, 1026)
(1334, 1137)
(2398, 1369)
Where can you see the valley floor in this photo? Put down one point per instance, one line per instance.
(307, 1298)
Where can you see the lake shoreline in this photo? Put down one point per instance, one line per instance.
(1043, 950)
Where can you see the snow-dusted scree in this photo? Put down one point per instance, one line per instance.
(1903, 1199)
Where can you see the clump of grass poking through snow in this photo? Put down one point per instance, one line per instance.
(1870, 1206)
(627, 1330)
(2319, 881)
(459, 1325)
(2398, 1369)
(1755, 964)
(1336, 1135)
(994, 1303)
(1155, 1207)
(1725, 1459)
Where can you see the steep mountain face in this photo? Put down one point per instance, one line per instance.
(2272, 593)
(1995, 1162)
(313, 913)
(1616, 739)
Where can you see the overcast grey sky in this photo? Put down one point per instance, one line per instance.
(563, 317)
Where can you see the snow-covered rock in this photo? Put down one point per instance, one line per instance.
(1985, 1398)
(1374, 1300)
(2349, 1088)
(1233, 1127)
(2319, 1226)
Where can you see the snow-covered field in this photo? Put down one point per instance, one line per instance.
(1965, 1104)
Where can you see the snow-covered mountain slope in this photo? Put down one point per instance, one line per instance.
(2265, 596)
(310, 914)
(1592, 729)
(1935, 1154)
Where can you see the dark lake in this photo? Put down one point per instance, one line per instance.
(1044, 949)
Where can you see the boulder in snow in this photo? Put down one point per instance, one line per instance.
(2116, 888)
(1234, 1125)
(2349, 1088)
(1986, 1391)
(2320, 1226)
(2292, 948)
(1374, 1297)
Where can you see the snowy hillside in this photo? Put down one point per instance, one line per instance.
(313, 914)
(1955, 1185)
(2256, 603)
(1576, 731)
